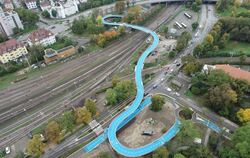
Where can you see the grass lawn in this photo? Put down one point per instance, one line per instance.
(228, 11)
(236, 47)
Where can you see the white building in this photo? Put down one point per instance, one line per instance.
(41, 36)
(63, 8)
(8, 4)
(30, 4)
(9, 21)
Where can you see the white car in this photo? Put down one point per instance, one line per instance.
(7, 150)
(177, 94)
(169, 89)
(162, 79)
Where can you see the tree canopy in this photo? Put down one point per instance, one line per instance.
(35, 146)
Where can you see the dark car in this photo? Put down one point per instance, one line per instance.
(178, 64)
(30, 135)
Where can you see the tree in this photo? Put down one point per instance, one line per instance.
(209, 39)
(53, 132)
(104, 155)
(243, 58)
(179, 156)
(54, 13)
(119, 6)
(35, 146)
(163, 29)
(191, 64)
(195, 25)
(2, 38)
(82, 115)
(91, 106)
(197, 151)
(221, 98)
(157, 103)
(27, 16)
(99, 20)
(46, 14)
(198, 2)
(116, 79)
(66, 121)
(36, 53)
(161, 152)
(125, 89)
(244, 115)
(187, 132)
(172, 54)
(111, 97)
(239, 146)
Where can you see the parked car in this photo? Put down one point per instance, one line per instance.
(7, 150)
(154, 86)
(147, 133)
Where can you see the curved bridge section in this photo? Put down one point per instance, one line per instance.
(114, 126)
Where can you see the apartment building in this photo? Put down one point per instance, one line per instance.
(8, 21)
(30, 4)
(11, 50)
(41, 36)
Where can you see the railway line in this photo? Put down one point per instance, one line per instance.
(82, 92)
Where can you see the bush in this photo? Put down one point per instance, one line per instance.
(195, 90)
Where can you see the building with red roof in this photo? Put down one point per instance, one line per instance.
(11, 50)
(41, 36)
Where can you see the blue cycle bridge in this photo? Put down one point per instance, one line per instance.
(135, 108)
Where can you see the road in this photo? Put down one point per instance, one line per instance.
(181, 99)
(160, 19)
(42, 116)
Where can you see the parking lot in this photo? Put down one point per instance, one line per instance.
(181, 18)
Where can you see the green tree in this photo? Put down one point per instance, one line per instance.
(221, 98)
(82, 115)
(36, 53)
(116, 79)
(91, 106)
(171, 54)
(125, 89)
(99, 20)
(111, 97)
(46, 14)
(66, 121)
(54, 13)
(195, 25)
(27, 16)
(119, 6)
(239, 146)
(163, 29)
(157, 103)
(179, 156)
(197, 151)
(161, 152)
(35, 146)
(187, 132)
(53, 132)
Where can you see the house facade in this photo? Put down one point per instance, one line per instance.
(11, 50)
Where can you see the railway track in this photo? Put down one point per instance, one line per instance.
(80, 92)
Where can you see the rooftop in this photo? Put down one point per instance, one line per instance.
(9, 45)
(235, 72)
(39, 34)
